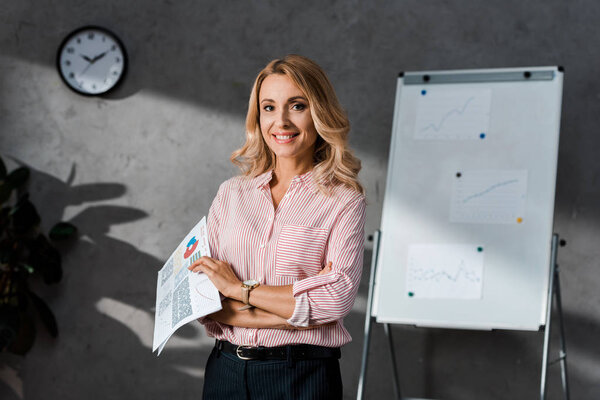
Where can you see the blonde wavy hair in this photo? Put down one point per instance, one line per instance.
(333, 161)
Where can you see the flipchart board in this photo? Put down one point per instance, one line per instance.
(468, 210)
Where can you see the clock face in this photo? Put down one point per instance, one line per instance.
(92, 61)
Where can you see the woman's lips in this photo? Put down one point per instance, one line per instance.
(283, 138)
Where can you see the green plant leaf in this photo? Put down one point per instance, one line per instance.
(25, 216)
(5, 191)
(63, 231)
(18, 177)
(28, 268)
(9, 325)
(45, 259)
(2, 169)
(45, 313)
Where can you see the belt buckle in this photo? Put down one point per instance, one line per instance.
(238, 352)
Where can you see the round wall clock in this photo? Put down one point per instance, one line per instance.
(91, 60)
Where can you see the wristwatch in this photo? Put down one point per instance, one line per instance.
(247, 287)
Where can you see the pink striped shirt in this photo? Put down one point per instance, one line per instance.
(291, 245)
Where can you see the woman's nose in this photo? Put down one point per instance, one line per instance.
(283, 120)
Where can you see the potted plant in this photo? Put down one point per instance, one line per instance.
(24, 252)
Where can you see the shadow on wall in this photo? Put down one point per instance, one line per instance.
(104, 308)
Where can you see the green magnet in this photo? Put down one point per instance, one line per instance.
(480, 249)
(410, 294)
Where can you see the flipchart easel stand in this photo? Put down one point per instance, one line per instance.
(554, 299)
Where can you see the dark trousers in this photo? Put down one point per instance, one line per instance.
(227, 377)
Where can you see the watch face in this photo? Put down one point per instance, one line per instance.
(92, 60)
(251, 282)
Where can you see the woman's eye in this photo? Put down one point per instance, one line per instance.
(268, 108)
(298, 107)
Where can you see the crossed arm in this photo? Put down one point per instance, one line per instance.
(274, 305)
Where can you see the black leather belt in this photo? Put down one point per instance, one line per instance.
(291, 352)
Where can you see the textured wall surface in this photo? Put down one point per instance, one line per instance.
(135, 170)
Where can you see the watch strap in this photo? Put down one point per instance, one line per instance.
(245, 294)
(246, 289)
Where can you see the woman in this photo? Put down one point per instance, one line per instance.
(287, 243)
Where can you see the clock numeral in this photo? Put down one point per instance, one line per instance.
(113, 47)
(91, 36)
(94, 87)
(115, 72)
(70, 50)
(118, 59)
(72, 75)
(78, 40)
(67, 62)
(104, 38)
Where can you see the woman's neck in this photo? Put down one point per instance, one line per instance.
(287, 169)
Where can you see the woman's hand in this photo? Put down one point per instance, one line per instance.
(326, 269)
(220, 274)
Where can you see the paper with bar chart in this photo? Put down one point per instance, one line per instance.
(489, 196)
(183, 296)
(444, 271)
(453, 114)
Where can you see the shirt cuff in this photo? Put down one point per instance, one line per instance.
(301, 314)
(314, 282)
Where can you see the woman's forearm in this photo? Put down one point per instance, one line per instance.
(278, 300)
(249, 318)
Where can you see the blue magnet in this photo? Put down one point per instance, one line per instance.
(423, 92)
(482, 135)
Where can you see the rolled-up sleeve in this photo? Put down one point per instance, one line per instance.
(329, 297)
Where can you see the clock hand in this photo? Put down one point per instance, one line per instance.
(86, 58)
(86, 68)
(99, 56)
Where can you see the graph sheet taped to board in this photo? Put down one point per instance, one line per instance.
(468, 210)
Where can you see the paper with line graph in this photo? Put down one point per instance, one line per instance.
(489, 196)
(453, 114)
(442, 271)
(181, 295)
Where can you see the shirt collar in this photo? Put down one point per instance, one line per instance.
(305, 179)
(264, 178)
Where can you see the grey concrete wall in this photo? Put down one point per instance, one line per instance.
(135, 170)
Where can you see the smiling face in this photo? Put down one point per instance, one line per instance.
(285, 120)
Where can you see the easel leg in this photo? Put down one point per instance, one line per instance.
(554, 298)
(548, 327)
(368, 320)
(563, 344)
(365, 358)
(388, 333)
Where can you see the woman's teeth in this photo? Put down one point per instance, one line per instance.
(285, 137)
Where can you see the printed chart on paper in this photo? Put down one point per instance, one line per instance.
(453, 114)
(489, 196)
(183, 296)
(444, 271)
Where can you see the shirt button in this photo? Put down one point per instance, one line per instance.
(262, 246)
